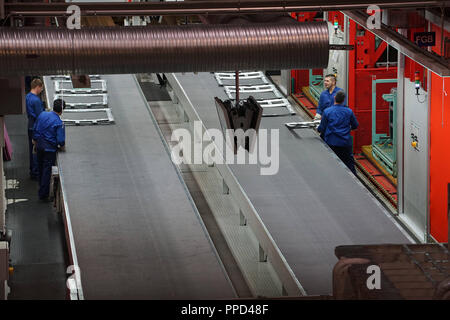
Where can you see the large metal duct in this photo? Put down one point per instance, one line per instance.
(163, 49)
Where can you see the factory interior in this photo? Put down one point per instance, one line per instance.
(156, 195)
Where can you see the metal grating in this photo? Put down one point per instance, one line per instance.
(413, 271)
(66, 86)
(229, 78)
(81, 101)
(268, 88)
(67, 77)
(87, 117)
(257, 85)
(84, 106)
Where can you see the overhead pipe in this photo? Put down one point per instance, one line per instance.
(210, 7)
(189, 48)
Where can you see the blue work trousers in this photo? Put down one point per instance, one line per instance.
(46, 159)
(33, 157)
(346, 155)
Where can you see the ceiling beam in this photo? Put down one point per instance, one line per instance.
(427, 59)
(208, 7)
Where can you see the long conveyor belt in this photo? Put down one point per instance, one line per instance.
(313, 204)
(135, 231)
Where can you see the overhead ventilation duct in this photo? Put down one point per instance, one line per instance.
(191, 48)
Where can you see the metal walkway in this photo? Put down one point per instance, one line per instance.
(38, 245)
(136, 233)
(313, 204)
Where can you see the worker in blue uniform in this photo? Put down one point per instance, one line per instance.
(34, 107)
(336, 124)
(326, 99)
(49, 136)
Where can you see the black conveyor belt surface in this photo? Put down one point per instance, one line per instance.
(136, 232)
(313, 204)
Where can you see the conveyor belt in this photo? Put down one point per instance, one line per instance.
(313, 203)
(136, 232)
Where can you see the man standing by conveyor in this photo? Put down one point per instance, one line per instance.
(34, 106)
(335, 126)
(49, 136)
(326, 99)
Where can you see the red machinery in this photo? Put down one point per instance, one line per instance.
(300, 78)
(362, 69)
(369, 61)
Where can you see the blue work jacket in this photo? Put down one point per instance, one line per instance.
(49, 131)
(326, 100)
(336, 124)
(34, 108)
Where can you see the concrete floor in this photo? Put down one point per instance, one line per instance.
(38, 243)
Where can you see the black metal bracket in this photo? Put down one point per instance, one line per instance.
(244, 115)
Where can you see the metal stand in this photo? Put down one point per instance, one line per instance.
(384, 145)
(83, 100)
